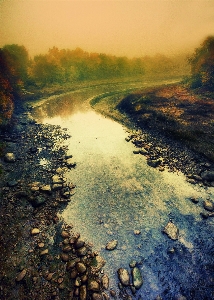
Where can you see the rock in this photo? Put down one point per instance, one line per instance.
(97, 263)
(112, 293)
(194, 200)
(137, 277)
(73, 274)
(172, 231)
(124, 277)
(105, 296)
(67, 248)
(77, 282)
(57, 179)
(44, 252)
(111, 245)
(21, 275)
(96, 296)
(82, 251)
(143, 151)
(208, 205)
(35, 231)
(70, 163)
(83, 292)
(153, 162)
(79, 243)
(137, 232)
(208, 175)
(132, 263)
(9, 157)
(46, 189)
(136, 152)
(105, 281)
(93, 286)
(64, 257)
(65, 234)
(72, 263)
(81, 268)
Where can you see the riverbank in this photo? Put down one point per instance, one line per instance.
(41, 257)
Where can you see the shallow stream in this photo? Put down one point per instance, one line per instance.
(117, 193)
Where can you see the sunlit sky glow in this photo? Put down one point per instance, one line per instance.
(131, 28)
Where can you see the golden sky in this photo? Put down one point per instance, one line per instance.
(124, 27)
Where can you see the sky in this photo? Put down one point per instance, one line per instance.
(118, 27)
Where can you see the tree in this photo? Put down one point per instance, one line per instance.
(202, 65)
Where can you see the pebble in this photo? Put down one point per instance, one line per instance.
(97, 263)
(137, 232)
(44, 252)
(132, 263)
(112, 293)
(21, 275)
(96, 296)
(79, 243)
(111, 245)
(64, 257)
(82, 251)
(65, 234)
(124, 277)
(35, 231)
(46, 189)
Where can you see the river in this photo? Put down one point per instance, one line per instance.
(118, 194)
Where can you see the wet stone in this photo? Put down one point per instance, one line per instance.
(82, 251)
(111, 245)
(12, 183)
(79, 243)
(97, 263)
(171, 230)
(65, 234)
(83, 292)
(73, 274)
(65, 257)
(132, 263)
(105, 281)
(37, 201)
(57, 187)
(137, 277)
(44, 252)
(124, 277)
(46, 189)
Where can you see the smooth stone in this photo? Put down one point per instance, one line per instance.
(112, 293)
(208, 205)
(67, 248)
(111, 245)
(70, 163)
(93, 286)
(105, 296)
(153, 162)
(65, 257)
(81, 268)
(105, 281)
(124, 277)
(21, 275)
(65, 234)
(10, 157)
(72, 263)
(172, 231)
(77, 282)
(73, 274)
(137, 232)
(79, 243)
(137, 277)
(35, 231)
(83, 292)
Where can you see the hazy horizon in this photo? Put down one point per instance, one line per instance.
(122, 28)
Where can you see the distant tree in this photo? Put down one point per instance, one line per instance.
(202, 65)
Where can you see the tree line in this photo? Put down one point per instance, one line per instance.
(19, 72)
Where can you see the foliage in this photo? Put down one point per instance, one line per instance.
(202, 65)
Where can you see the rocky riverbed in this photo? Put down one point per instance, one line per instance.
(41, 257)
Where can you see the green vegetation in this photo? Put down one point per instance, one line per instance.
(202, 65)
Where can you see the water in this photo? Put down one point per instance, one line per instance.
(117, 193)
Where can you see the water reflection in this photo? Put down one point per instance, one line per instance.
(117, 193)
